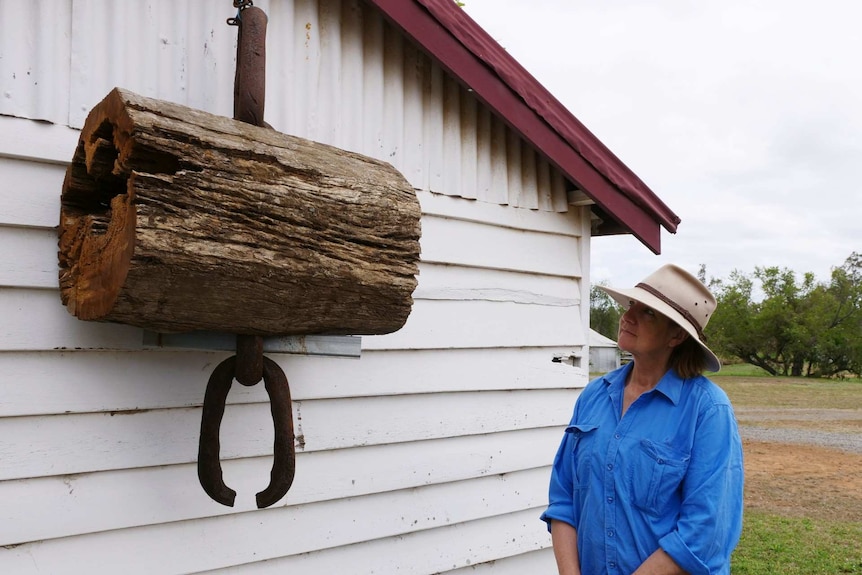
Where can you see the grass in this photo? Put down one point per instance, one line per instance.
(792, 546)
(741, 370)
(748, 370)
(801, 545)
(790, 392)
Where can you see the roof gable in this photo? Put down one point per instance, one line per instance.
(468, 53)
(599, 340)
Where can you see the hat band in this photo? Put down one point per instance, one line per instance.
(679, 309)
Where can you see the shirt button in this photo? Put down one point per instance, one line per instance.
(610, 533)
(617, 436)
(612, 565)
(610, 466)
(610, 499)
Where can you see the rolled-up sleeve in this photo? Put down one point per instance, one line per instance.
(561, 505)
(710, 520)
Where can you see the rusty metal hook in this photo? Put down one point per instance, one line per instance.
(249, 364)
(240, 5)
(209, 447)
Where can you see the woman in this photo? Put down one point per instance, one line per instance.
(648, 478)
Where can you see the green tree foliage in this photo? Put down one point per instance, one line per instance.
(604, 313)
(789, 326)
(839, 313)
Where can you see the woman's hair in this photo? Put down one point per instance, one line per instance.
(688, 359)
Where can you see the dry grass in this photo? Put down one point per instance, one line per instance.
(796, 403)
(790, 392)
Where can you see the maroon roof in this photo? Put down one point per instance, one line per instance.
(468, 53)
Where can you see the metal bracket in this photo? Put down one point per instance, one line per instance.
(317, 345)
(572, 358)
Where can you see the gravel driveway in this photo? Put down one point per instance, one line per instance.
(845, 441)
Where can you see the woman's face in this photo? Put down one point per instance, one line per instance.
(645, 332)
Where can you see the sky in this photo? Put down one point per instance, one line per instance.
(743, 116)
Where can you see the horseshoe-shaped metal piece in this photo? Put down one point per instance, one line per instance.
(284, 456)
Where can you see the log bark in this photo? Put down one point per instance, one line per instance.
(173, 219)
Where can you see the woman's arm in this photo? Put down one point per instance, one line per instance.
(710, 518)
(565, 540)
(659, 563)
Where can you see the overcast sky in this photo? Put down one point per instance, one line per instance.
(743, 116)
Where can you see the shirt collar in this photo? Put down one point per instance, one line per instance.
(670, 385)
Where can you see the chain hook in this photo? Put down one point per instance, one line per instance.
(240, 5)
(249, 365)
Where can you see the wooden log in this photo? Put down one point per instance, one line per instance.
(173, 219)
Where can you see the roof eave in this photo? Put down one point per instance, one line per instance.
(420, 21)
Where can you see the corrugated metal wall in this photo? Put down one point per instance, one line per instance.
(330, 66)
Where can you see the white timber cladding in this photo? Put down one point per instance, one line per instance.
(429, 454)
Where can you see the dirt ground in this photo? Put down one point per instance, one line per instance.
(802, 440)
(803, 481)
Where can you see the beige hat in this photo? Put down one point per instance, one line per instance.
(677, 294)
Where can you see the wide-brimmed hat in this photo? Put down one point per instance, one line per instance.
(675, 293)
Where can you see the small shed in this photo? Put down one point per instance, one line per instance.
(424, 451)
(604, 353)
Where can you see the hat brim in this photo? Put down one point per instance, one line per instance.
(624, 296)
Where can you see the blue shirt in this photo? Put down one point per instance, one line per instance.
(667, 474)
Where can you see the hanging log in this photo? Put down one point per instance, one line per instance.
(173, 219)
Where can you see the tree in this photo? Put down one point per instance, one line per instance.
(730, 331)
(796, 327)
(838, 311)
(604, 313)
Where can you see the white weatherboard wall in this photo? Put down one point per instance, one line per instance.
(429, 454)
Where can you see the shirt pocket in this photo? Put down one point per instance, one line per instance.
(583, 444)
(658, 472)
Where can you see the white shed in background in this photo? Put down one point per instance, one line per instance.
(604, 353)
(430, 453)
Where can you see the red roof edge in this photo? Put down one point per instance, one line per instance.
(467, 52)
